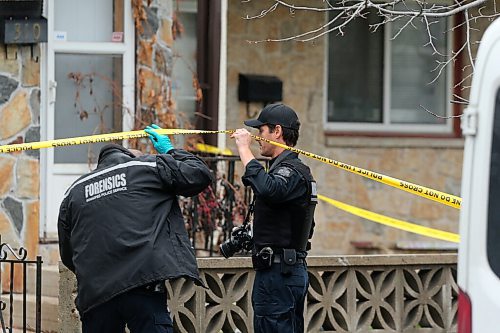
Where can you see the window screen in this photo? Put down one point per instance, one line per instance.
(386, 77)
(412, 71)
(88, 102)
(355, 73)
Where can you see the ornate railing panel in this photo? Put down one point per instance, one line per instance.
(397, 293)
(366, 297)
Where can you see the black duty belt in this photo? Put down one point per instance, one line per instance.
(267, 256)
(279, 251)
(277, 259)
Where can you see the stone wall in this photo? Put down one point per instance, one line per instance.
(20, 171)
(434, 163)
(154, 61)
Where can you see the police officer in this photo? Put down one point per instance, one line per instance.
(285, 198)
(122, 233)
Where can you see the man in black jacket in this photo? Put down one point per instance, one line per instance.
(285, 198)
(121, 231)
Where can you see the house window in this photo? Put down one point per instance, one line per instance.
(378, 83)
(492, 245)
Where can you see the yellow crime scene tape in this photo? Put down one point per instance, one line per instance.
(213, 150)
(419, 190)
(428, 193)
(394, 223)
(95, 139)
(425, 192)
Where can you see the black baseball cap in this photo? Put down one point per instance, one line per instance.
(275, 114)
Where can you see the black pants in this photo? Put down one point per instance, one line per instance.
(278, 300)
(141, 310)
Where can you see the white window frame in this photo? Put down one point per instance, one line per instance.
(126, 49)
(385, 126)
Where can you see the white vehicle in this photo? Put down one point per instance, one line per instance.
(479, 250)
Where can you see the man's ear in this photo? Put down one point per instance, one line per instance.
(278, 131)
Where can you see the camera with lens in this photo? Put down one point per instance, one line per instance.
(241, 239)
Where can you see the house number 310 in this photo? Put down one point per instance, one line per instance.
(30, 30)
(25, 31)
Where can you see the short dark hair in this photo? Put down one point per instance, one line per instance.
(290, 136)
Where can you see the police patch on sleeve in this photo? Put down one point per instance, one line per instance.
(284, 171)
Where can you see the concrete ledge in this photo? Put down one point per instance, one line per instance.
(340, 261)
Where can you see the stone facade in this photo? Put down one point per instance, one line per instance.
(19, 172)
(154, 61)
(431, 162)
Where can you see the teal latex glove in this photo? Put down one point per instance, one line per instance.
(161, 143)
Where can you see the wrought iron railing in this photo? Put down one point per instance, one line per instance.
(395, 293)
(211, 215)
(15, 263)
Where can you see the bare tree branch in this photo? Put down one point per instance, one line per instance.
(467, 33)
(438, 116)
(410, 13)
(433, 11)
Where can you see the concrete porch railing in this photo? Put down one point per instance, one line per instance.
(394, 293)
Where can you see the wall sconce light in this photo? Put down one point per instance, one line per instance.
(265, 89)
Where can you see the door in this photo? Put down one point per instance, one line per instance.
(87, 89)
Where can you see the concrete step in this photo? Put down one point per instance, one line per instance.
(49, 285)
(50, 280)
(49, 252)
(49, 310)
(18, 330)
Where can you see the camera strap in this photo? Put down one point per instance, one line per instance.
(249, 212)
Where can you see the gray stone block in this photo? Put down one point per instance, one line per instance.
(33, 135)
(15, 209)
(35, 105)
(7, 86)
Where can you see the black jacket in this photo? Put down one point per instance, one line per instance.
(285, 201)
(120, 226)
